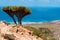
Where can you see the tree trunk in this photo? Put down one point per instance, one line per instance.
(14, 20)
(19, 22)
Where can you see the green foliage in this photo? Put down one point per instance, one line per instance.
(12, 7)
(15, 8)
(44, 33)
(53, 39)
(35, 31)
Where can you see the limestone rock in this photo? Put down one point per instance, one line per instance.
(20, 33)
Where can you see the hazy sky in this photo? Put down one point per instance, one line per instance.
(43, 3)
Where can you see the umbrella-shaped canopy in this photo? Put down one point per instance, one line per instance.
(19, 11)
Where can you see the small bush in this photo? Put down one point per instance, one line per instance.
(35, 30)
(46, 31)
(53, 39)
(9, 36)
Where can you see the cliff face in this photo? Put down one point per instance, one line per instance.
(15, 33)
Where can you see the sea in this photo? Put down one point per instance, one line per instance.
(39, 14)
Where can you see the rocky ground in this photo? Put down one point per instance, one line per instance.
(11, 32)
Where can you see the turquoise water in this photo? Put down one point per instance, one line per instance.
(39, 14)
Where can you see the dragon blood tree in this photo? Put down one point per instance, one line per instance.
(18, 11)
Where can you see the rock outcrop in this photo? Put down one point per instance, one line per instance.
(16, 33)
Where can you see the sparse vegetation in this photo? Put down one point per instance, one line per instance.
(35, 31)
(44, 33)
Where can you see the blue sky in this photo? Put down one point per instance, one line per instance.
(39, 3)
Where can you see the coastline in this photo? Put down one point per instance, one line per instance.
(54, 21)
